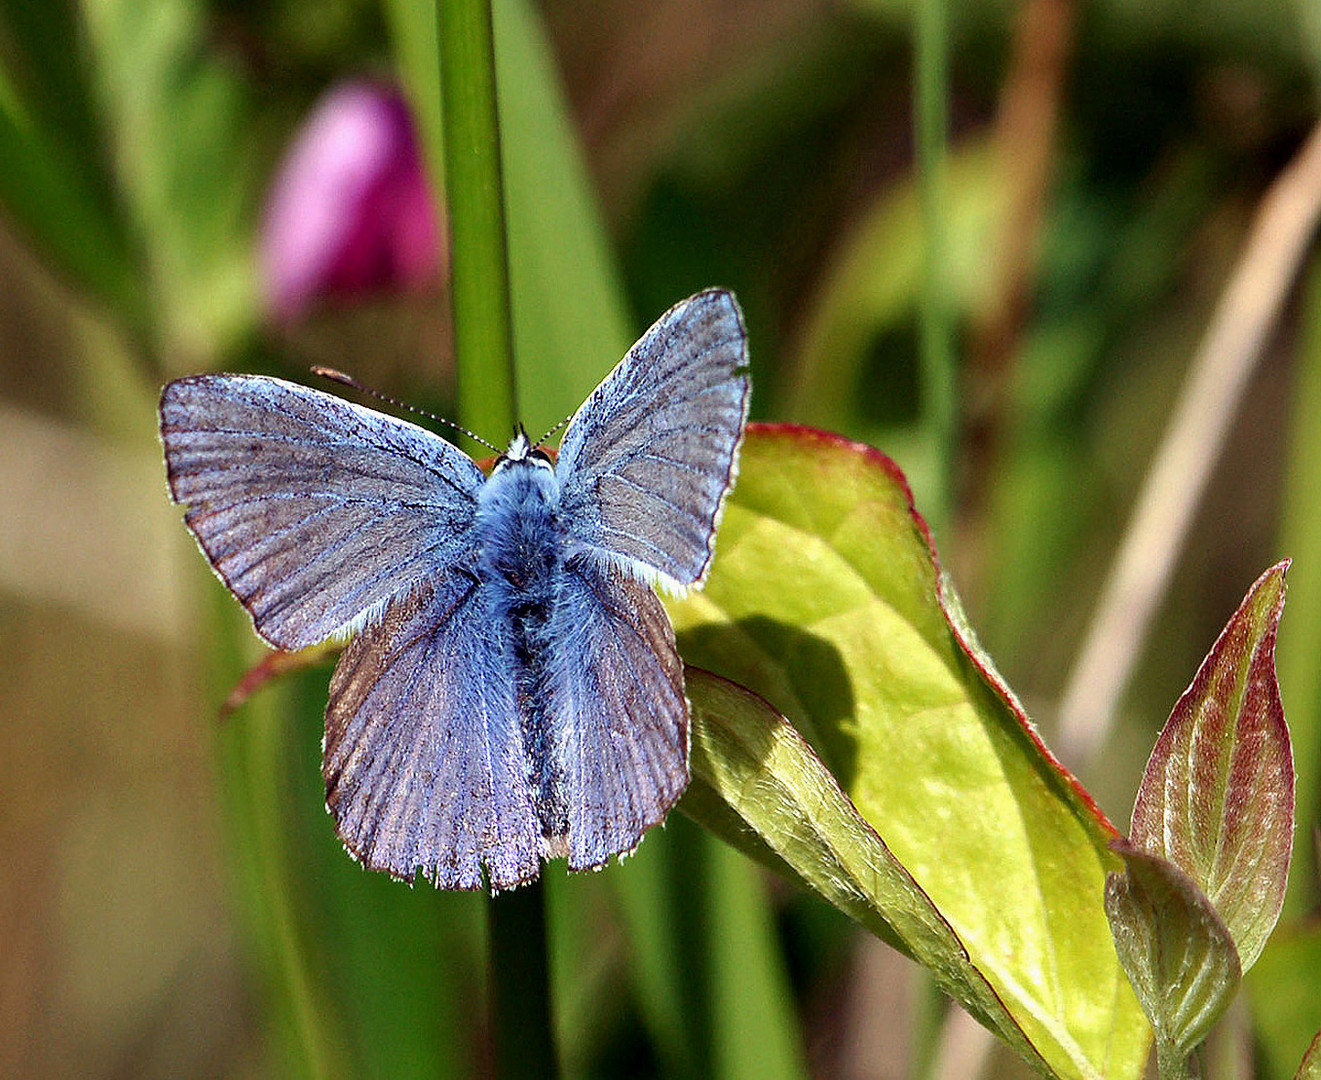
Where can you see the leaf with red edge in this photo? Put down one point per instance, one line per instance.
(827, 600)
(1217, 797)
(1310, 1069)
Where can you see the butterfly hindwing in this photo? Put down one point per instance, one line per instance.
(617, 710)
(647, 460)
(423, 763)
(311, 509)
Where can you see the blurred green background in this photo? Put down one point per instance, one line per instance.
(166, 877)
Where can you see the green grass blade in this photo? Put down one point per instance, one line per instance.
(935, 312)
(1297, 651)
(44, 187)
(252, 754)
(178, 126)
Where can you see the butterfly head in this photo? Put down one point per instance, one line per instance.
(521, 450)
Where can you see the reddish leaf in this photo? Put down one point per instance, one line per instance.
(1217, 796)
(275, 663)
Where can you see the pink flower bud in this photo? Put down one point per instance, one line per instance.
(350, 210)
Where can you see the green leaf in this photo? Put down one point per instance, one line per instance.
(1296, 657)
(54, 184)
(788, 812)
(303, 1022)
(570, 326)
(180, 135)
(1216, 799)
(756, 1034)
(827, 601)
(415, 44)
(1177, 951)
(709, 971)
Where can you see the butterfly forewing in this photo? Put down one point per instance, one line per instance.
(424, 767)
(617, 708)
(647, 461)
(312, 510)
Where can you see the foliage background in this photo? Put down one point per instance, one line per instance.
(766, 146)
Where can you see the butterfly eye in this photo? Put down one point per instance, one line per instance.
(537, 458)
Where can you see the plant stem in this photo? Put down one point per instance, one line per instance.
(249, 753)
(1171, 1064)
(520, 1000)
(484, 359)
(936, 334)
(483, 339)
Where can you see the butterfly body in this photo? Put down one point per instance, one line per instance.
(520, 566)
(511, 691)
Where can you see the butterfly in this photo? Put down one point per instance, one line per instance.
(510, 691)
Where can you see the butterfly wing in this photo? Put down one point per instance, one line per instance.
(617, 710)
(646, 462)
(313, 510)
(424, 765)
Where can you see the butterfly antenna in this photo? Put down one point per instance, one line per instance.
(349, 381)
(541, 441)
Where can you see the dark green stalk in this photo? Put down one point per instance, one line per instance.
(474, 188)
(520, 980)
(936, 329)
(484, 358)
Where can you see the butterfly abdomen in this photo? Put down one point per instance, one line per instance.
(521, 564)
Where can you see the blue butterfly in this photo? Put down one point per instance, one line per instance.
(513, 692)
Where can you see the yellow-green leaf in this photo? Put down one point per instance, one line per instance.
(826, 599)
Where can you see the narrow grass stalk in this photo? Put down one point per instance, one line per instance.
(935, 340)
(520, 977)
(1297, 650)
(248, 755)
(474, 189)
(484, 359)
(936, 331)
